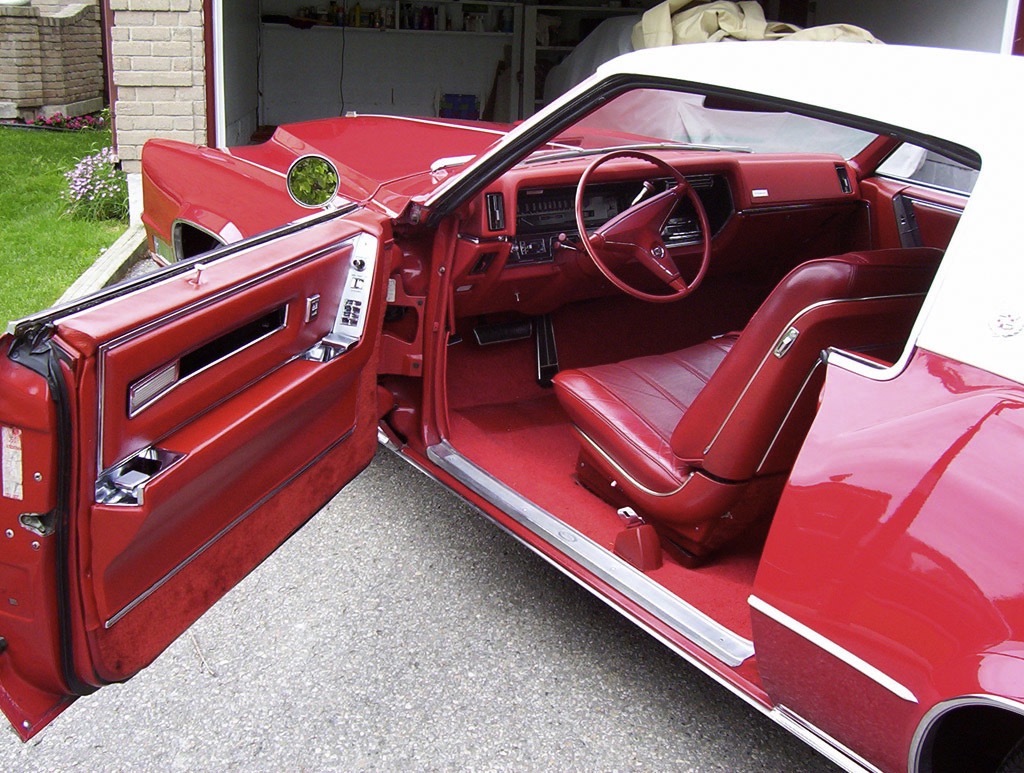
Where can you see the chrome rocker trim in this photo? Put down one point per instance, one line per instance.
(706, 633)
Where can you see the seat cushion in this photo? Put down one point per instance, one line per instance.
(629, 409)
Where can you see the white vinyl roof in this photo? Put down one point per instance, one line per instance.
(967, 97)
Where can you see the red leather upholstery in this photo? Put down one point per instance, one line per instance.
(730, 409)
(631, 408)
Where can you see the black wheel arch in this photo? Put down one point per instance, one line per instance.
(971, 734)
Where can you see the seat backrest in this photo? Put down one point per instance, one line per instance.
(752, 416)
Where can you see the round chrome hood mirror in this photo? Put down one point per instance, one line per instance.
(313, 181)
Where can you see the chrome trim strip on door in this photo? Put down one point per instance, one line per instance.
(945, 208)
(135, 407)
(729, 647)
(241, 517)
(191, 308)
(836, 651)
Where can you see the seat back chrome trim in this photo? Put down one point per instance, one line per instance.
(792, 323)
(711, 636)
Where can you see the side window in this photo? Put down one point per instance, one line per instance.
(914, 164)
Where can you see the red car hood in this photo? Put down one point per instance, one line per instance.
(384, 157)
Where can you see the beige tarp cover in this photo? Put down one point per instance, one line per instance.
(668, 24)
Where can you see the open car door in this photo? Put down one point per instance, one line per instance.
(160, 441)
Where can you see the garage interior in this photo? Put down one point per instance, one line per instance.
(279, 61)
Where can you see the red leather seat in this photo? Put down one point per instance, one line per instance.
(699, 441)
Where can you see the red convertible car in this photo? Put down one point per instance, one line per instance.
(730, 334)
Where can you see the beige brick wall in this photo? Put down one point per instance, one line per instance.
(21, 62)
(159, 64)
(56, 6)
(72, 45)
(50, 59)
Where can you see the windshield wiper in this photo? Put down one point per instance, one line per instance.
(558, 155)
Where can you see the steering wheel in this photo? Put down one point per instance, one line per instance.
(636, 232)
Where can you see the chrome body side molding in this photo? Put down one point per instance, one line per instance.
(833, 649)
(690, 622)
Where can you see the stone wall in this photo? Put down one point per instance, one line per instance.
(159, 63)
(55, 6)
(50, 63)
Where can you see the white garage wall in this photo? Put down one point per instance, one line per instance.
(975, 25)
(324, 71)
(240, 41)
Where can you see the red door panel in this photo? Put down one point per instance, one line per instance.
(905, 215)
(32, 687)
(211, 414)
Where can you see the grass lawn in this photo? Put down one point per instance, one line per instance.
(42, 250)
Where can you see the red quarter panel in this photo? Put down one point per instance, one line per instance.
(898, 539)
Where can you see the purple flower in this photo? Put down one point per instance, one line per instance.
(97, 188)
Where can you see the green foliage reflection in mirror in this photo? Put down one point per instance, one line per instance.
(312, 181)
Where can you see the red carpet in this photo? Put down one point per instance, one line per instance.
(528, 446)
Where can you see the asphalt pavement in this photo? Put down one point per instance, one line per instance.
(400, 630)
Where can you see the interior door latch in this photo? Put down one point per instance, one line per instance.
(39, 523)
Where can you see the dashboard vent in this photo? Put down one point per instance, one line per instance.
(701, 181)
(495, 211)
(844, 179)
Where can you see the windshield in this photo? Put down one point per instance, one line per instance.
(646, 116)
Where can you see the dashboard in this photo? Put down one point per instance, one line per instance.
(546, 217)
(517, 246)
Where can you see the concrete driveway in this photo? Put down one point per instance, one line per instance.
(401, 631)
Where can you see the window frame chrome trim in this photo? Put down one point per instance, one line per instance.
(927, 185)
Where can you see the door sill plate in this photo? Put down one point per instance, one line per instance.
(708, 634)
